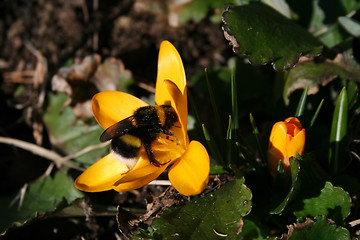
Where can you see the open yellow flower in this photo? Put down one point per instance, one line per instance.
(190, 161)
(286, 139)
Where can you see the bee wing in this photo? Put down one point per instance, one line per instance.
(118, 129)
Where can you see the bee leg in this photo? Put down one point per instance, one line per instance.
(166, 132)
(170, 136)
(150, 154)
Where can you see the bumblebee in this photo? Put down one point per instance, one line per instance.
(142, 128)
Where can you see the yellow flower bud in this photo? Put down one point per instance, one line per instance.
(286, 139)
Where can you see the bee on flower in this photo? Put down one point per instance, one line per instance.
(147, 139)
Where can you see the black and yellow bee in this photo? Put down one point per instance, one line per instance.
(142, 128)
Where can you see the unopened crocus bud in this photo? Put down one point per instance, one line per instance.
(286, 139)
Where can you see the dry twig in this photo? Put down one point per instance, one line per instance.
(51, 155)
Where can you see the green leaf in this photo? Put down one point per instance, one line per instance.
(339, 124)
(253, 229)
(295, 169)
(214, 106)
(317, 74)
(256, 133)
(67, 134)
(234, 104)
(338, 133)
(212, 146)
(279, 5)
(199, 9)
(350, 6)
(334, 35)
(265, 36)
(301, 105)
(350, 25)
(230, 144)
(313, 119)
(316, 23)
(352, 91)
(209, 217)
(323, 19)
(195, 11)
(321, 229)
(216, 169)
(231, 136)
(42, 197)
(333, 202)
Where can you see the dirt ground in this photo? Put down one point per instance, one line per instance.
(128, 30)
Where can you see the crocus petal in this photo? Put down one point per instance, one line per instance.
(286, 139)
(144, 172)
(170, 67)
(101, 175)
(180, 131)
(139, 182)
(142, 169)
(294, 121)
(171, 83)
(110, 107)
(165, 151)
(296, 137)
(297, 144)
(278, 138)
(190, 174)
(277, 147)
